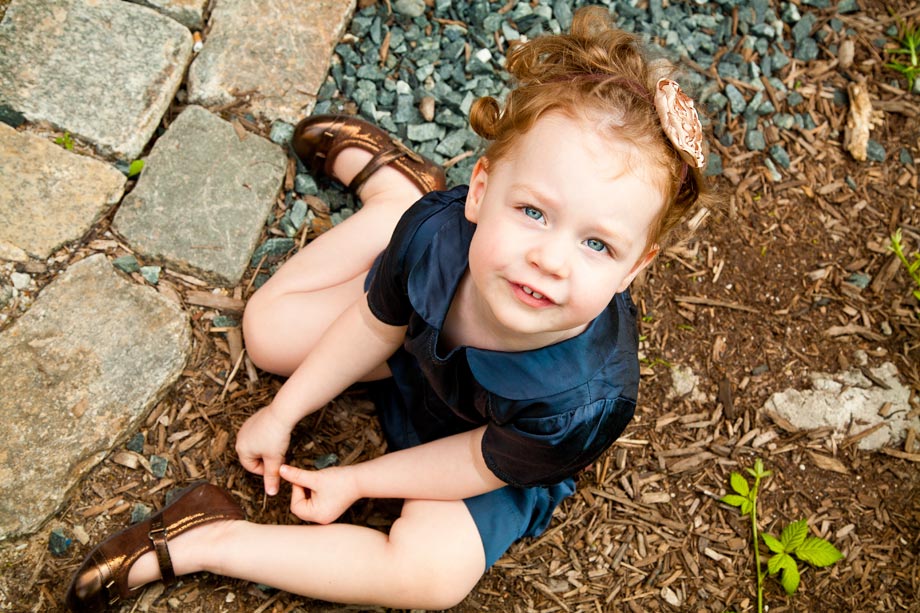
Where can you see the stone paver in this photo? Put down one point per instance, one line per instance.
(203, 197)
(849, 403)
(275, 51)
(189, 13)
(104, 70)
(80, 369)
(50, 196)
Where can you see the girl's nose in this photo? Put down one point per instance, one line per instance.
(551, 256)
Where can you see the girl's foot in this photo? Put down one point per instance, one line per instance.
(319, 140)
(103, 578)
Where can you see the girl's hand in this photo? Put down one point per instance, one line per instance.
(261, 444)
(320, 496)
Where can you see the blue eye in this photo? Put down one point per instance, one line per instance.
(533, 213)
(595, 245)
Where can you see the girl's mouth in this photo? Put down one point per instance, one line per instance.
(531, 297)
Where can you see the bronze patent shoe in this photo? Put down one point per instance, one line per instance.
(102, 580)
(319, 139)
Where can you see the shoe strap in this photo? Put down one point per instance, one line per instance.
(380, 159)
(157, 535)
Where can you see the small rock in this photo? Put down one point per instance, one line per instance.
(735, 99)
(859, 279)
(305, 184)
(779, 155)
(713, 165)
(127, 263)
(140, 512)
(905, 157)
(158, 466)
(875, 151)
(754, 140)
(272, 248)
(281, 133)
(223, 321)
(151, 274)
(562, 11)
(136, 443)
(325, 461)
(298, 213)
(847, 6)
(424, 131)
(759, 370)
(426, 108)
(59, 542)
(409, 8)
(20, 280)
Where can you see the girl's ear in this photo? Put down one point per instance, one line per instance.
(474, 196)
(639, 266)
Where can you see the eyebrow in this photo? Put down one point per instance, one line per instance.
(621, 240)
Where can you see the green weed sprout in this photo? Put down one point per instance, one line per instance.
(913, 268)
(909, 39)
(794, 540)
(65, 141)
(135, 168)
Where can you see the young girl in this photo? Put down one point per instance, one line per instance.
(494, 320)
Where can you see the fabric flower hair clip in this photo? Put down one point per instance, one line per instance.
(680, 122)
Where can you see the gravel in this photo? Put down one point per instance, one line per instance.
(451, 53)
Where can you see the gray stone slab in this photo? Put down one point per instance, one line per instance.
(203, 197)
(849, 403)
(105, 70)
(189, 13)
(80, 370)
(273, 52)
(50, 196)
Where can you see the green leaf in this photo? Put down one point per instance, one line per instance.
(733, 500)
(790, 578)
(817, 552)
(135, 168)
(794, 535)
(773, 543)
(775, 564)
(746, 507)
(740, 484)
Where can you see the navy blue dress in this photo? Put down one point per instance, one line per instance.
(548, 412)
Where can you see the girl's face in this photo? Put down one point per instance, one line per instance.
(562, 225)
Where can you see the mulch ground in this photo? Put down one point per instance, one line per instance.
(752, 301)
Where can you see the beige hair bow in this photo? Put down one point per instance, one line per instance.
(680, 121)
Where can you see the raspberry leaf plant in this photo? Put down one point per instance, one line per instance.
(793, 541)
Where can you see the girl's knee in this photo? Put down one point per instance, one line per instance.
(257, 332)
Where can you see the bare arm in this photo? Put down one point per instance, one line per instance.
(451, 468)
(354, 344)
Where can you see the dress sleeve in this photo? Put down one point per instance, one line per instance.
(535, 451)
(387, 295)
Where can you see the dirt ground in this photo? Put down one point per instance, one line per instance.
(752, 302)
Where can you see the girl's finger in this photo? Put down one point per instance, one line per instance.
(253, 465)
(272, 481)
(300, 504)
(298, 476)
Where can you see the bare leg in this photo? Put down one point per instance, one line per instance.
(431, 559)
(286, 316)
